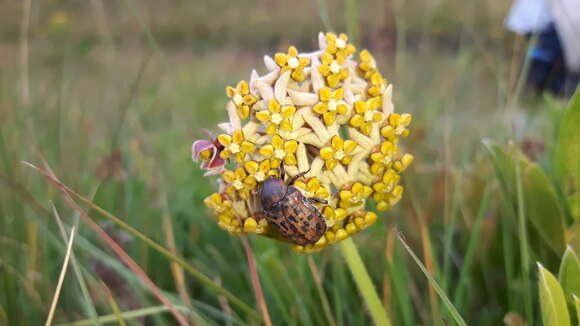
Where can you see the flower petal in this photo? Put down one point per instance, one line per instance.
(337, 143)
(247, 147)
(320, 108)
(329, 118)
(281, 59)
(350, 146)
(224, 139)
(290, 146)
(263, 115)
(238, 136)
(288, 111)
(251, 166)
(326, 153)
(290, 159)
(267, 150)
(277, 142)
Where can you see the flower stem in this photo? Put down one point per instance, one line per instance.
(256, 282)
(364, 283)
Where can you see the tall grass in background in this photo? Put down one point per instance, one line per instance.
(111, 95)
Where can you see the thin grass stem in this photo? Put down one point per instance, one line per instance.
(256, 281)
(450, 307)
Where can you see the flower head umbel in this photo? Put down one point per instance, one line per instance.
(332, 122)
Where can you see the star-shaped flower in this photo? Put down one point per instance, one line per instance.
(236, 145)
(338, 45)
(338, 151)
(331, 103)
(276, 116)
(332, 68)
(367, 65)
(378, 85)
(239, 183)
(365, 115)
(280, 150)
(258, 172)
(354, 196)
(396, 126)
(384, 157)
(313, 188)
(242, 98)
(292, 62)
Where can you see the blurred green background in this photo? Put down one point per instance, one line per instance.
(113, 92)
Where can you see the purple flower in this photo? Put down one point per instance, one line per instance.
(208, 152)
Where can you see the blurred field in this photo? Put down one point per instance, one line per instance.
(118, 90)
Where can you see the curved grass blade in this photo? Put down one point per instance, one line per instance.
(452, 310)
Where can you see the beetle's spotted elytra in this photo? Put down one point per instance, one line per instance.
(290, 212)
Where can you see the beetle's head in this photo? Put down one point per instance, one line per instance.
(273, 190)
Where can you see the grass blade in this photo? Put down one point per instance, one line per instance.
(61, 277)
(524, 250)
(89, 305)
(256, 282)
(450, 307)
(364, 283)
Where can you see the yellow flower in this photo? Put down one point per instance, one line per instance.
(368, 65)
(338, 151)
(378, 85)
(396, 126)
(365, 115)
(217, 203)
(279, 151)
(387, 191)
(387, 200)
(236, 145)
(338, 45)
(258, 172)
(242, 98)
(334, 214)
(239, 182)
(292, 62)
(403, 163)
(276, 116)
(384, 157)
(313, 188)
(331, 103)
(332, 68)
(354, 196)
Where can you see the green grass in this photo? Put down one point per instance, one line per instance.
(114, 112)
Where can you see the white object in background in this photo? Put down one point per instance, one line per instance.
(567, 21)
(529, 16)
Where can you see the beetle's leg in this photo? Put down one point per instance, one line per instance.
(282, 171)
(318, 200)
(298, 176)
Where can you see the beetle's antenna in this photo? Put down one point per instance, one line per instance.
(298, 176)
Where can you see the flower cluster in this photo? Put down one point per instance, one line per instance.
(327, 113)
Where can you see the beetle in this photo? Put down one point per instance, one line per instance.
(290, 212)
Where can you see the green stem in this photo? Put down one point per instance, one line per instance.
(364, 283)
